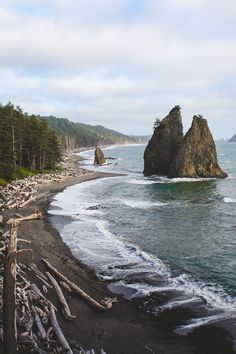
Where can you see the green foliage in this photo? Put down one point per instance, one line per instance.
(3, 182)
(26, 144)
(75, 135)
(156, 123)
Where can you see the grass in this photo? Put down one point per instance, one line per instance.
(22, 172)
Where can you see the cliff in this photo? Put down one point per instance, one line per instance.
(197, 156)
(167, 137)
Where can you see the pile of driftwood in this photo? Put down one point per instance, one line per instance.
(19, 193)
(29, 319)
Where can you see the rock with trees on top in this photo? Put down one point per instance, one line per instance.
(176, 156)
(166, 138)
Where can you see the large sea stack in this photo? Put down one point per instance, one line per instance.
(99, 158)
(163, 144)
(197, 156)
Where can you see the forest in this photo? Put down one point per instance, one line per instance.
(27, 144)
(74, 135)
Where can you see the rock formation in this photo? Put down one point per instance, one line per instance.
(167, 137)
(99, 158)
(233, 139)
(197, 156)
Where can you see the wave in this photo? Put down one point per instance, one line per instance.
(143, 274)
(166, 180)
(122, 263)
(141, 204)
(140, 181)
(229, 200)
(199, 322)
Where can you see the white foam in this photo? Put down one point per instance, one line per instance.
(92, 241)
(199, 322)
(161, 180)
(229, 200)
(179, 303)
(139, 204)
(185, 179)
(140, 181)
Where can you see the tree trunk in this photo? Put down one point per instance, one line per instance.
(13, 145)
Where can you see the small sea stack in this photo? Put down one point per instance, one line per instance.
(197, 157)
(99, 158)
(165, 141)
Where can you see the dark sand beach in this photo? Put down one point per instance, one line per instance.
(126, 328)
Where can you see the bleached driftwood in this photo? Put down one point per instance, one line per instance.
(41, 330)
(36, 216)
(108, 301)
(9, 295)
(57, 330)
(74, 287)
(66, 310)
(31, 199)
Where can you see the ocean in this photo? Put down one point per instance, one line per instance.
(170, 241)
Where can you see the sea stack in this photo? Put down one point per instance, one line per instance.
(99, 158)
(196, 157)
(165, 141)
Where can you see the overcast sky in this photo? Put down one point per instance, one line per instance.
(121, 63)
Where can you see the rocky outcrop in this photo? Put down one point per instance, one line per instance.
(99, 158)
(197, 156)
(233, 139)
(167, 137)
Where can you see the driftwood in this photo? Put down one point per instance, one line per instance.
(31, 199)
(58, 331)
(74, 287)
(41, 330)
(66, 310)
(9, 296)
(20, 193)
(3, 196)
(36, 216)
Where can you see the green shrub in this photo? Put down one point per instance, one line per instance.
(3, 182)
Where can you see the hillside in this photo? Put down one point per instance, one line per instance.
(233, 139)
(75, 135)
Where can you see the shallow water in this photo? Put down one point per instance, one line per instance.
(149, 235)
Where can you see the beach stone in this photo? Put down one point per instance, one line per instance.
(99, 158)
(165, 141)
(197, 157)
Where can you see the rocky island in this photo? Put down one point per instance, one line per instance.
(166, 139)
(99, 158)
(172, 154)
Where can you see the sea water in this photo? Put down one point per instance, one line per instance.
(147, 235)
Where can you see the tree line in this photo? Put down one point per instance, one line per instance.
(74, 135)
(26, 142)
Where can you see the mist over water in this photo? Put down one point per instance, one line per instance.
(148, 235)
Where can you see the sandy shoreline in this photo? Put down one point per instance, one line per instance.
(126, 328)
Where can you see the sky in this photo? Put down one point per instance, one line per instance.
(121, 63)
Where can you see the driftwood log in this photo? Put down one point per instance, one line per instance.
(66, 310)
(36, 216)
(9, 296)
(74, 287)
(58, 332)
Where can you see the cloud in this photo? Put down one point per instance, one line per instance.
(120, 65)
